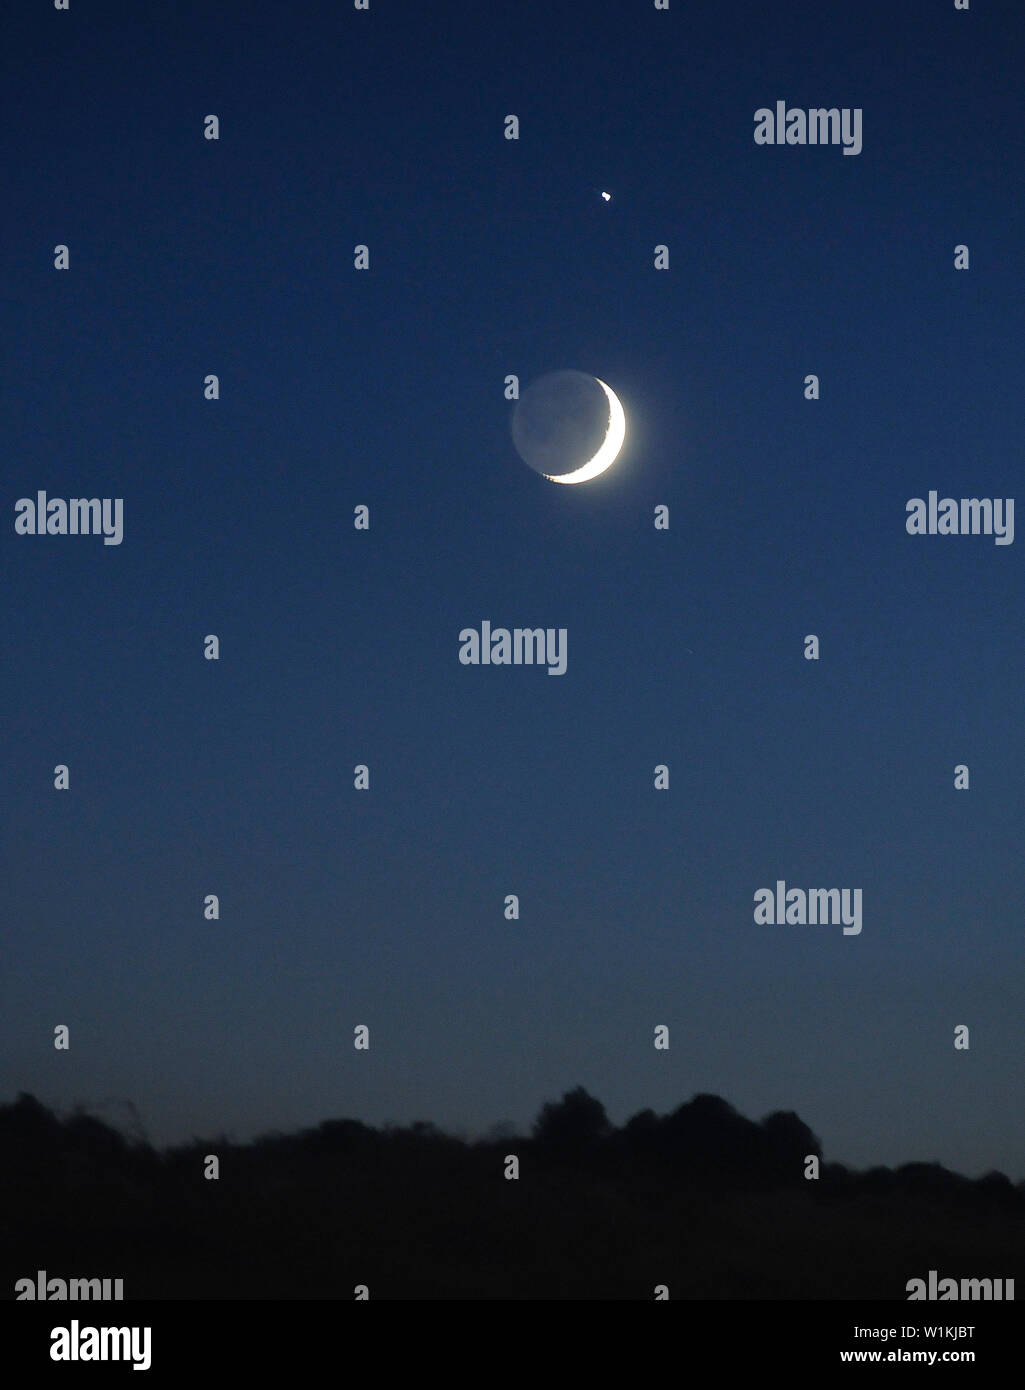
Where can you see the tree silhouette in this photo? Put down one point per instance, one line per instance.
(415, 1212)
(576, 1122)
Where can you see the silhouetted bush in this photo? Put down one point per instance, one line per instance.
(574, 1124)
(703, 1199)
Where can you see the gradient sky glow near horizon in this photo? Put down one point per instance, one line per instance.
(338, 647)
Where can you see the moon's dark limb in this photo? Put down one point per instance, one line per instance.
(560, 422)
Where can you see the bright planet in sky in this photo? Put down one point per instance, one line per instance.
(568, 426)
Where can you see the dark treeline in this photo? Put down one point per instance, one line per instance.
(701, 1200)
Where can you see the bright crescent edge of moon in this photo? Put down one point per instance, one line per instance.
(609, 448)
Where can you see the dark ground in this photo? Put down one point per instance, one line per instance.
(701, 1200)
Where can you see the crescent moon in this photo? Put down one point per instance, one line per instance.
(607, 450)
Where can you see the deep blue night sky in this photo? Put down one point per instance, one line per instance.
(685, 647)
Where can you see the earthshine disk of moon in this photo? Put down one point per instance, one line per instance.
(569, 426)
